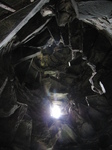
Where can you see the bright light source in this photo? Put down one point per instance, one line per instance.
(55, 111)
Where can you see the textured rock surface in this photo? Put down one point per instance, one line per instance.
(64, 57)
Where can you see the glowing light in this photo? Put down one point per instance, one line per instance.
(55, 111)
